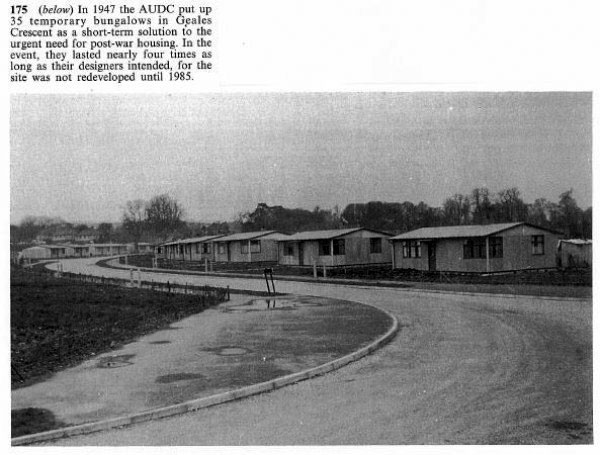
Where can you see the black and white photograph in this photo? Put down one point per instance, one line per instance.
(314, 268)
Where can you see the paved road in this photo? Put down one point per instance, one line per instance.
(464, 369)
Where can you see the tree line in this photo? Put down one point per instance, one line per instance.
(162, 218)
(480, 206)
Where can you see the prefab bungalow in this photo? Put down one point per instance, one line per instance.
(476, 248)
(574, 253)
(35, 252)
(194, 249)
(144, 247)
(107, 249)
(336, 247)
(81, 251)
(258, 246)
(140, 248)
(47, 252)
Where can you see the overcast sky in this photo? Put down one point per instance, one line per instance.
(82, 157)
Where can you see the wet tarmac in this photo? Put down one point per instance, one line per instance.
(239, 343)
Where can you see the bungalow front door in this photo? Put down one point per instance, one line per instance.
(431, 256)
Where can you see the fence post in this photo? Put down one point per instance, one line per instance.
(266, 272)
(131, 277)
(272, 282)
(228, 294)
(139, 283)
(324, 271)
(315, 269)
(206, 265)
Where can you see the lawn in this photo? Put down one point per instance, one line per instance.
(59, 322)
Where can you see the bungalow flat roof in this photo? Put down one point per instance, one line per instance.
(107, 244)
(55, 247)
(451, 232)
(327, 234)
(38, 247)
(203, 239)
(248, 236)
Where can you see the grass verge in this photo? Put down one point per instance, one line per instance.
(57, 322)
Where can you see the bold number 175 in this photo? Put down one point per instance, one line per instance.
(18, 9)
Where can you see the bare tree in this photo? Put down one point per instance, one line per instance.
(134, 219)
(511, 205)
(164, 214)
(105, 232)
(457, 210)
(482, 206)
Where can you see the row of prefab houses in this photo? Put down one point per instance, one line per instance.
(39, 252)
(475, 248)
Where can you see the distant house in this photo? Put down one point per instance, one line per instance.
(193, 249)
(86, 236)
(476, 248)
(258, 246)
(574, 253)
(336, 247)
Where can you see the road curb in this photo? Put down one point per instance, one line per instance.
(201, 403)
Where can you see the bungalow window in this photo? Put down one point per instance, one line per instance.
(375, 245)
(474, 249)
(197, 248)
(254, 247)
(537, 244)
(496, 247)
(206, 248)
(288, 249)
(221, 248)
(324, 248)
(339, 247)
(411, 249)
(415, 249)
(180, 249)
(159, 250)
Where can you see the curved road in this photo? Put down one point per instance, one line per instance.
(464, 369)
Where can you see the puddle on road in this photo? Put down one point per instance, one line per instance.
(32, 420)
(263, 305)
(115, 361)
(174, 377)
(160, 342)
(232, 351)
(572, 429)
(228, 350)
